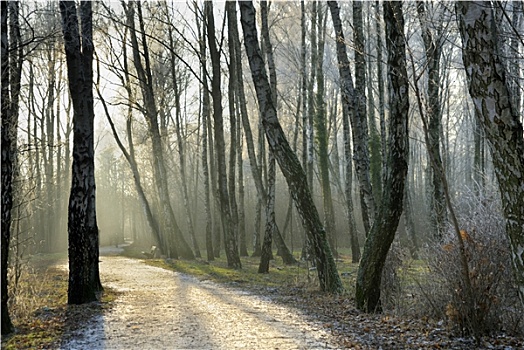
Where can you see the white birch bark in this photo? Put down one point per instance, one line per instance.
(500, 121)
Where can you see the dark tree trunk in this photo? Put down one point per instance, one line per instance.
(287, 160)
(267, 253)
(205, 118)
(230, 240)
(84, 278)
(383, 230)
(9, 136)
(433, 48)
(321, 133)
(233, 105)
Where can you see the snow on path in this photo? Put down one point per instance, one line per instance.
(161, 309)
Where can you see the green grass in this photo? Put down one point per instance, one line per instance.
(280, 275)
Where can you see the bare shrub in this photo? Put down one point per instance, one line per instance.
(495, 301)
(25, 296)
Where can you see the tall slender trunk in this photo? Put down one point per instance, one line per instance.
(48, 126)
(375, 145)
(271, 224)
(181, 147)
(310, 150)
(321, 133)
(230, 239)
(348, 187)
(349, 108)
(360, 123)
(233, 106)
(380, 83)
(205, 118)
(433, 48)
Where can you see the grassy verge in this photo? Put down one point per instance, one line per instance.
(39, 307)
(279, 276)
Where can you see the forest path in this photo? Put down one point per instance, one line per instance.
(161, 309)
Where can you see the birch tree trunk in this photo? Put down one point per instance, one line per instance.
(500, 121)
(375, 140)
(380, 83)
(9, 137)
(287, 160)
(310, 151)
(383, 230)
(84, 278)
(360, 123)
(355, 103)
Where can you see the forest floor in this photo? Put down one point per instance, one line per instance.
(202, 306)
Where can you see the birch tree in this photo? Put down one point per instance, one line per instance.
(286, 158)
(84, 278)
(11, 60)
(498, 117)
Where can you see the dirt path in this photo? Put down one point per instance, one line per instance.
(160, 309)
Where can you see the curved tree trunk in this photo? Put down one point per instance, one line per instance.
(287, 160)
